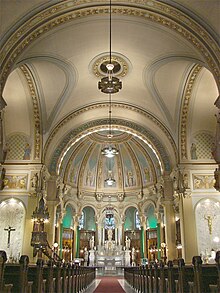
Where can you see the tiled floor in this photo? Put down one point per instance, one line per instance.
(122, 282)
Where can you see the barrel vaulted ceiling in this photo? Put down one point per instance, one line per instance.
(51, 53)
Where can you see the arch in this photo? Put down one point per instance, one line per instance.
(74, 135)
(207, 211)
(12, 217)
(175, 19)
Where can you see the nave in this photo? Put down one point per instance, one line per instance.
(116, 284)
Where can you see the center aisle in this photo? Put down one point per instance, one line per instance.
(109, 284)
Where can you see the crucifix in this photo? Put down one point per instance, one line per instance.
(209, 222)
(9, 229)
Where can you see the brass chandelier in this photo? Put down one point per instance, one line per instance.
(110, 84)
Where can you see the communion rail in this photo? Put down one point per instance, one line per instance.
(42, 278)
(181, 278)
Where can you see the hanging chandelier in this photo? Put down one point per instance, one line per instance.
(110, 84)
(110, 151)
(110, 180)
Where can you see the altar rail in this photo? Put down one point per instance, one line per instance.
(181, 278)
(43, 278)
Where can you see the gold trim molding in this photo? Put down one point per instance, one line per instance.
(152, 11)
(185, 109)
(36, 111)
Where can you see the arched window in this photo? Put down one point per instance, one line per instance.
(82, 220)
(137, 221)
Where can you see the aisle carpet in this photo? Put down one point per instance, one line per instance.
(109, 284)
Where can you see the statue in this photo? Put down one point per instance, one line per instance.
(92, 243)
(193, 152)
(27, 152)
(127, 243)
(133, 256)
(209, 220)
(86, 256)
(109, 234)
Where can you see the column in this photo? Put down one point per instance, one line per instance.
(27, 248)
(143, 236)
(76, 236)
(170, 225)
(188, 230)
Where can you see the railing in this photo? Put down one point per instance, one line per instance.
(181, 278)
(41, 278)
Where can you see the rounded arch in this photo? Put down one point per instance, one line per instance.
(175, 19)
(12, 225)
(74, 135)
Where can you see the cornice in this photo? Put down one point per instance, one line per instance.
(64, 12)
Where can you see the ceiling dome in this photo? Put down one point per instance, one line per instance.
(133, 169)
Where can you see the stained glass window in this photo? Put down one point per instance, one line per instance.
(137, 221)
(109, 221)
(81, 221)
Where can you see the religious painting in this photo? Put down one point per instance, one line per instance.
(129, 170)
(16, 181)
(12, 216)
(90, 170)
(74, 165)
(203, 181)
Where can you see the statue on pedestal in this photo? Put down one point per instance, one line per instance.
(92, 243)
(127, 243)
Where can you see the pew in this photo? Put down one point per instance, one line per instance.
(178, 278)
(52, 277)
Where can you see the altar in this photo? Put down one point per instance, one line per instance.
(110, 255)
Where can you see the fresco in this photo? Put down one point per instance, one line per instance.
(15, 181)
(90, 170)
(129, 171)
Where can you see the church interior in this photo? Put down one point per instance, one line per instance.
(110, 131)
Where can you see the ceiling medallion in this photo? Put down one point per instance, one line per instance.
(120, 69)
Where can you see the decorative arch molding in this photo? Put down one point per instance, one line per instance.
(73, 204)
(87, 108)
(146, 204)
(71, 79)
(187, 95)
(75, 135)
(149, 79)
(171, 18)
(36, 114)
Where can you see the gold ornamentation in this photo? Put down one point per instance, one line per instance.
(105, 59)
(114, 105)
(185, 109)
(59, 14)
(203, 181)
(36, 111)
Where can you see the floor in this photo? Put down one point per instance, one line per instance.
(122, 282)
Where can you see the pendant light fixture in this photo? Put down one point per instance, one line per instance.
(110, 151)
(110, 84)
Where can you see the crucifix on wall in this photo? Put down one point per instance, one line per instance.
(9, 229)
(209, 222)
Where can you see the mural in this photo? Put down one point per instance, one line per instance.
(201, 181)
(75, 164)
(14, 181)
(129, 170)
(90, 170)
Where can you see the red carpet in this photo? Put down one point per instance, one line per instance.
(109, 284)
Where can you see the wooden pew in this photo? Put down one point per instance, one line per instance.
(17, 275)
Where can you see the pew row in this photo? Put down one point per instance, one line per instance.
(43, 278)
(170, 278)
